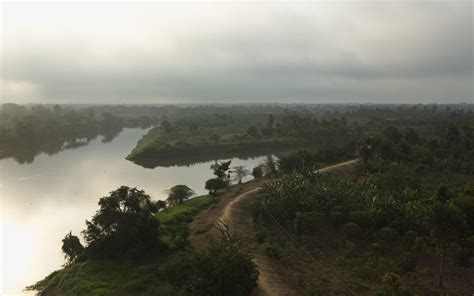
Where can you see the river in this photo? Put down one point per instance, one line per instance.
(43, 200)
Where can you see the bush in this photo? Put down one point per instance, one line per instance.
(409, 238)
(361, 218)
(260, 237)
(461, 255)
(257, 172)
(351, 231)
(337, 218)
(221, 269)
(408, 261)
(388, 234)
(272, 251)
(308, 223)
(124, 225)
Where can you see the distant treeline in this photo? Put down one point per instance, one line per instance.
(28, 131)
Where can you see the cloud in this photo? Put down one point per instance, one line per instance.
(267, 52)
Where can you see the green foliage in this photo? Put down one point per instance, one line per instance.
(391, 282)
(107, 277)
(222, 180)
(124, 225)
(174, 220)
(179, 193)
(388, 234)
(215, 185)
(351, 231)
(271, 250)
(221, 269)
(253, 132)
(240, 172)
(257, 172)
(308, 222)
(141, 276)
(72, 247)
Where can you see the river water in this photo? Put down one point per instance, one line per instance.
(43, 200)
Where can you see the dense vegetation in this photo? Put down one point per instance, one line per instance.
(233, 135)
(406, 211)
(27, 131)
(132, 249)
(230, 132)
(400, 223)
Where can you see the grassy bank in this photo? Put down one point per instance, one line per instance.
(145, 276)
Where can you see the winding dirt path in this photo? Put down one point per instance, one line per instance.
(271, 281)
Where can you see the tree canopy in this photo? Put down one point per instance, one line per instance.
(179, 193)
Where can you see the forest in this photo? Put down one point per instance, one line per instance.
(397, 219)
(400, 223)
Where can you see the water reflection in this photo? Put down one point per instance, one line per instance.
(26, 152)
(42, 200)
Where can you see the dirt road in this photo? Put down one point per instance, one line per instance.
(271, 280)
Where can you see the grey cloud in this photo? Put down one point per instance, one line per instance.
(280, 53)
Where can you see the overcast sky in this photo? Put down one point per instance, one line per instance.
(418, 52)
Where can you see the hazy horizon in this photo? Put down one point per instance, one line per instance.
(206, 53)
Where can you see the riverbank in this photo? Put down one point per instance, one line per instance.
(181, 147)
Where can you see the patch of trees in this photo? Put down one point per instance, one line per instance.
(222, 180)
(28, 131)
(304, 161)
(452, 149)
(178, 194)
(400, 208)
(223, 268)
(124, 226)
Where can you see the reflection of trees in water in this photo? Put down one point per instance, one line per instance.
(191, 159)
(25, 152)
(110, 134)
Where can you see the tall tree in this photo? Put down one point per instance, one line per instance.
(124, 225)
(179, 193)
(71, 247)
(447, 225)
(239, 173)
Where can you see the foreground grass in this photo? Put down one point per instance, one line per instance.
(110, 277)
(144, 276)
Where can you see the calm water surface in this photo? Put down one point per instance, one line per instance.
(42, 201)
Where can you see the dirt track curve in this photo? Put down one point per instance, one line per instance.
(272, 280)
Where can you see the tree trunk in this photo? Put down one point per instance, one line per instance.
(441, 268)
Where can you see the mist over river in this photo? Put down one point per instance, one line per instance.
(43, 200)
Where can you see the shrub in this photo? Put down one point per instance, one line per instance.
(361, 218)
(124, 225)
(351, 231)
(391, 283)
(257, 172)
(260, 237)
(222, 269)
(272, 251)
(409, 238)
(337, 218)
(307, 223)
(72, 247)
(388, 234)
(408, 261)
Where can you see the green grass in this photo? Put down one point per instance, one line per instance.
(126, 277)
(185, 212)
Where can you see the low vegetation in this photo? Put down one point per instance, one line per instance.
(132, 249)
(401, 222)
